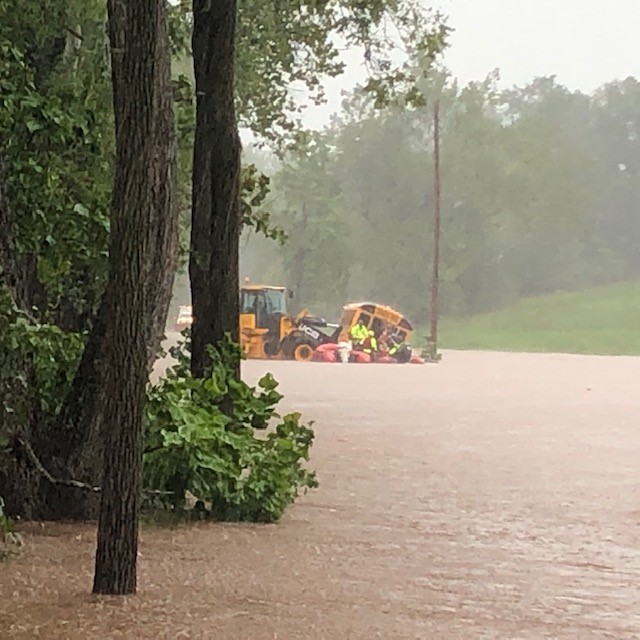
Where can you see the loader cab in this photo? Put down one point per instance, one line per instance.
(266, 303)
(263, 319)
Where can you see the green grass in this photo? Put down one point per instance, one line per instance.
(603, 321)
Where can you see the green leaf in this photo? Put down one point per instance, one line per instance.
(268, 382)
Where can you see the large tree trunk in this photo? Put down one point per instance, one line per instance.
(215, 225)
(74, 446)
(143, 229)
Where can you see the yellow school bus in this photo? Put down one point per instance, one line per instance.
(377, 318)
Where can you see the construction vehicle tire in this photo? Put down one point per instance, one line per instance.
(303, 352)
(271, 347)
(287, 347)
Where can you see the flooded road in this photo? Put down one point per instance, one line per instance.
(490, 496)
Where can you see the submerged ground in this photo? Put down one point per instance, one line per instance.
(491, 496)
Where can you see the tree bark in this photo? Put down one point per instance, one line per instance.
(75, 448)
(142, 245)
(215, 222)
(167, 257)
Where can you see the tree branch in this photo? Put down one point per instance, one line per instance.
(76, 484)
(75, 34)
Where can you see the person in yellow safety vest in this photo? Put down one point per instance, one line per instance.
(358, 333)
(398, 349)
(370, 344)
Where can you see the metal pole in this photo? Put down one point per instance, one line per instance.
(435, 279)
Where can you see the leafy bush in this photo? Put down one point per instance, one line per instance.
(222, 441)
(39, 363)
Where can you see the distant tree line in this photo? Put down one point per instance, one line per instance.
(541, 192)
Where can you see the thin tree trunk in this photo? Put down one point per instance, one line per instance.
(143, 233)
(215, 225)
(298, 262)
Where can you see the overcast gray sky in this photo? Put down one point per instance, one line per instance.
(584, 42)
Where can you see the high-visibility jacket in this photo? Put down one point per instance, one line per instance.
(394, 347)
(358, 332)
(370, 344)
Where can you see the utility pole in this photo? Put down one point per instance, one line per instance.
(434, 306)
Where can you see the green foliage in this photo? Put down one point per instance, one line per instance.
(254, 192)
(56, 143)
(289, 48)
(39, 363)
(212, 438)
(296, 44)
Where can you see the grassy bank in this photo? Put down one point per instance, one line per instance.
(605, 321)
